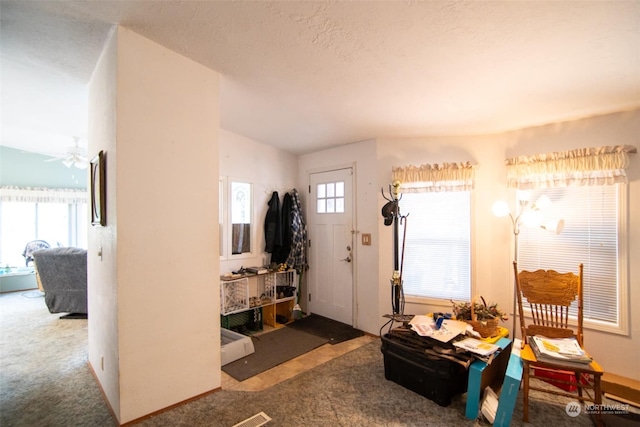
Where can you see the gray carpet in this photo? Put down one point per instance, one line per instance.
(44, 374)
(272, 349)
(45, 381)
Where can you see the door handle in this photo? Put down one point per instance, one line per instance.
(348, 259)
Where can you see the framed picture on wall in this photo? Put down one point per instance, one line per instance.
(98, 190)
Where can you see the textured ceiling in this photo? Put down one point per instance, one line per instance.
(306, 75)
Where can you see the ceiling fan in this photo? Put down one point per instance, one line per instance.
(75, 156)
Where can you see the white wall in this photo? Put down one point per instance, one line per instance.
(154, 296)
(102, 272)
(269, 169)
(362, 156)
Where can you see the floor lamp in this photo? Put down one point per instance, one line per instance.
(527, 214)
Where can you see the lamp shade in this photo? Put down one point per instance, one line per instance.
(554, 226)
(531, 218)
(500, 208)
(543, 202)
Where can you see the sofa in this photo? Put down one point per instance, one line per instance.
(62, 272)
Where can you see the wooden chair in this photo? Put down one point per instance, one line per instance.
(549, 295)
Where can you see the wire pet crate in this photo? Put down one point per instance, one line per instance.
(234, 296)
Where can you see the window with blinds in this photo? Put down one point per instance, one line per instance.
(590, 236)
(57, 223)
(437, 251)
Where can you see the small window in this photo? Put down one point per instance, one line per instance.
(235, 219)
(593, 235)
(222, 184)
(330, 197)
(437, 258)
(241, 213)
(59, 224)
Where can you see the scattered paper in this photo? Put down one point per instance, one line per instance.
(476, 346)
(425, 326)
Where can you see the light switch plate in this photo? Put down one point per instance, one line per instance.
(366, 239)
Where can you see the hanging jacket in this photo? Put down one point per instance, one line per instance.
(285, 224)
(272, 225)
(298, 256)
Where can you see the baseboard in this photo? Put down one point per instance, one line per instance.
(622, 387)
(104, 395)
(621, 400)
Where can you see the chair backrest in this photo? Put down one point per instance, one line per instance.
(31, 247)
(549, 295)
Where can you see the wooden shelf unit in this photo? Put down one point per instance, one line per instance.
(275, 292)
(283, 307)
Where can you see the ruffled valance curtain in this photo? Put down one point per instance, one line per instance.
(436, 177)
(42, 195)
(584, 166)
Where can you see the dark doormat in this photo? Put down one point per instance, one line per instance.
(272, 349)
(332, 330)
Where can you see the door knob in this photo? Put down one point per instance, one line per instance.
(348, 259)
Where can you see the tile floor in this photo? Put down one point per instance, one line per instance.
(295, 366)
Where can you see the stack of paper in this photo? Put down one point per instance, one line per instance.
(559, 350)
(479, 347)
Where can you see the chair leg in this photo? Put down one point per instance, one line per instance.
(597, 391)
(525, 392)
(578, 384)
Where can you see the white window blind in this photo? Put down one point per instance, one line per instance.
(437, 258)
(590, 237)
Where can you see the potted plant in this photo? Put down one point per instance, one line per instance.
(483, 317)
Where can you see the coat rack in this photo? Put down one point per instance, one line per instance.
(392, 216)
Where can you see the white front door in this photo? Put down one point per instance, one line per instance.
(331, 245)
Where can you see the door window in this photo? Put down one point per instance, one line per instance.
(330, 197)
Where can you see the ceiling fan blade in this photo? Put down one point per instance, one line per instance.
(75, 156)
(81, 164)
(58, 158)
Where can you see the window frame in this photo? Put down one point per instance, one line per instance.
(226, 227)
(222, 217)
(622, 325)
(337, 198)
(445, 302)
